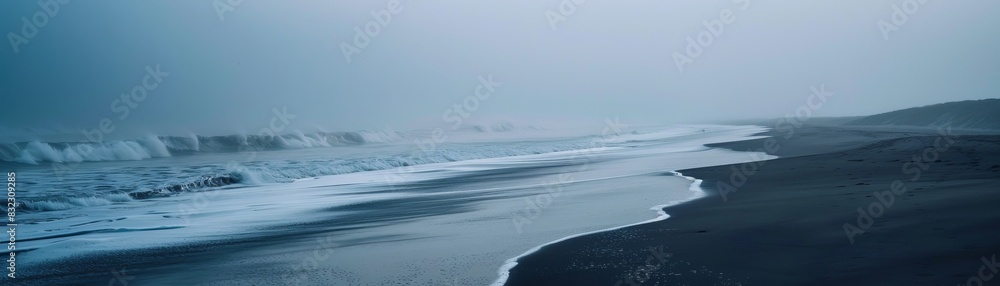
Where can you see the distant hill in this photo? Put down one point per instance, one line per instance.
(971, 114)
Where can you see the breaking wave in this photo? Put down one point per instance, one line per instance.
(36, 152)
(135, 183)
(284, 171)
(57, 204)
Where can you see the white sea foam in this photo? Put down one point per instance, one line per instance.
(515, 169)
(68, 203)
(36, 152)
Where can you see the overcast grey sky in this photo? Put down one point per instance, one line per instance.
(604, 59)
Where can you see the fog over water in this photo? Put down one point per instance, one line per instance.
(227, 69)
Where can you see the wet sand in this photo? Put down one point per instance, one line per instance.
(788, 223)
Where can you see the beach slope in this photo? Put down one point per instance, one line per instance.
(842, 206)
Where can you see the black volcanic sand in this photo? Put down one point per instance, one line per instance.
(785, 225)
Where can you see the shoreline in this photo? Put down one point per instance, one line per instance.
(695, 186)
(784, 226)
(460, 204)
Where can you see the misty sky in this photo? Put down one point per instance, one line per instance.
(607, 59)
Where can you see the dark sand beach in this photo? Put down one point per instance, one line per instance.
(788, 224)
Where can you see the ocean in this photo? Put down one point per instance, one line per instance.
(341, 208)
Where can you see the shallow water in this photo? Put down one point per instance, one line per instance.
(456, 221)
